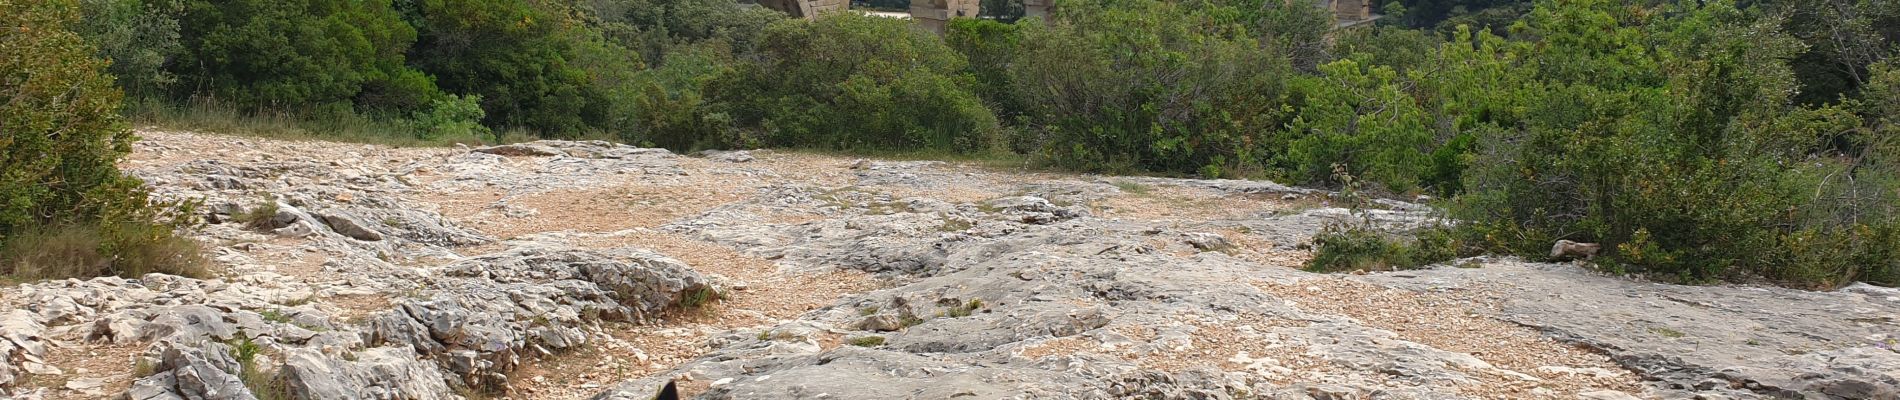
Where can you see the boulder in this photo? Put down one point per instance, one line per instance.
(206, 370)
(378, 373)
(347, 225)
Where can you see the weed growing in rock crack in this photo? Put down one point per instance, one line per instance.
(143, 368)
(964, 310)
(1666, 332)
(699, 297)
(909, 320)
(868, 341)
(258, 217)
(274, 316)
(765, 335)
(1132, 187)
(264, 385)
(955, 225)
(868, 311)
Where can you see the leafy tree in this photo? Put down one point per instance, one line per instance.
(1845, 38)
(654, 27)
(671, 104)
(139, 37)
(1358, 119)
(333, 56)
(849, 81)
(1146, 84)
(533, 65)
(990, 47)
(1671, 137)
(60, 140)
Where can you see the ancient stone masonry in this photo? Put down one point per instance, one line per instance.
(1346, 13)
(807, 9)
(935, 15)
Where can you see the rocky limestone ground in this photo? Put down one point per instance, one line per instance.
(577, 270)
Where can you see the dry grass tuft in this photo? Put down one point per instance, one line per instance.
(86, 251)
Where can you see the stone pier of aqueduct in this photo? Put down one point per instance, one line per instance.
(934, 15)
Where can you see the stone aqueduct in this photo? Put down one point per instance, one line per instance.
(935, 14)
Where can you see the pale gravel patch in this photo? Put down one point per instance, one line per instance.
(1452, 322)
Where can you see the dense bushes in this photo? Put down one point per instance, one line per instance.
(848, 81)
(330, 55)
(65, 210)
(1152, 85)
(1673, 141)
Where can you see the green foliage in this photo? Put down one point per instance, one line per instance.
(1358, 247)
(868, 341)
(452, 116)
(1673, 141)
(324, 56)
(259, 216)
(262, 384)
(850, 81)
(139, 37)
(990, 47)
(1146, 84)
(671, 105)
(65, 210)
(699, 297)
(532, 67)
(655, 28)
(1359, 117)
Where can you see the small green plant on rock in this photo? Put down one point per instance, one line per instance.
(264, 385)
(1356, 247)
(1135, 188)
(909, 320)
(964, 310)
(698, 297)
(868, 341)
(258, 217)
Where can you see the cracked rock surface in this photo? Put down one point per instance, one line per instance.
(581, 269)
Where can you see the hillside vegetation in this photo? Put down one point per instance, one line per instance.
(1697, 141)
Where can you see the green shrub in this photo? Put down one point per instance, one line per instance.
(855, 82)
(699, 297)
(65, 210)
(1354, 247)
(1360, 117)
(452, 116)
(1151, 85)
(258, 217)
(1672, 141)
(868, 341)
(264, 385)
(310, 57)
